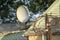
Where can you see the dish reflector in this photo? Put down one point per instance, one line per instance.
(22, 14)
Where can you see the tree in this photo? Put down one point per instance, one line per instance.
(33, 5)
(37, 5)
(4, 7)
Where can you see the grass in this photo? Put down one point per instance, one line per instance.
(14, 36)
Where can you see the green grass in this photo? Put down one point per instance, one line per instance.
(14, 36)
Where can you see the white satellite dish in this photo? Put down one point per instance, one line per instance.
(22, 14)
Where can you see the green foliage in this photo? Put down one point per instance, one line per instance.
(34, 5)
(4, 7)
(37, 5)
(17, 4)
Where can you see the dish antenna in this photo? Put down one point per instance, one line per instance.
(22, 14)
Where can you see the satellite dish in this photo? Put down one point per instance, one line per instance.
(22, 14)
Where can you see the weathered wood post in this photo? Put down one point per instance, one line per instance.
(47, 25)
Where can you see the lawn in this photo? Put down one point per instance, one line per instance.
(13, 36)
